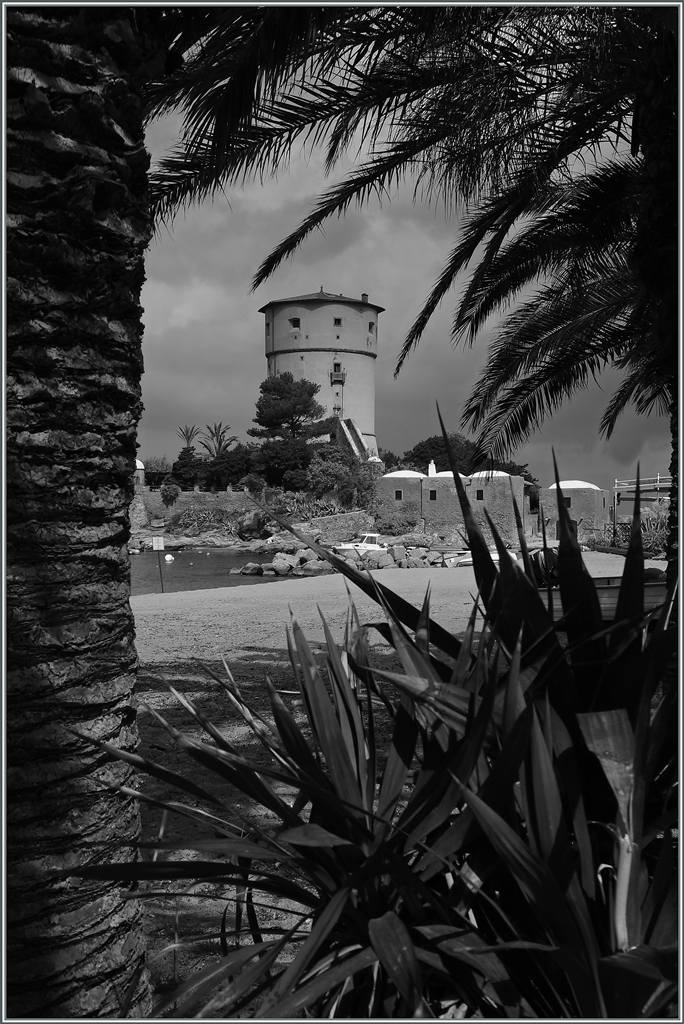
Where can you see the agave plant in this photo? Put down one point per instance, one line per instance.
(510, 852)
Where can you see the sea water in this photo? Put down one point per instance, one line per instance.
(193, 569)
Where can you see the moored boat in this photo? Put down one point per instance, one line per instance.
(608, 589)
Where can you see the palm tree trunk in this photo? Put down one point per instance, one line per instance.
(78, 227)
(672, 543)
(657, 247)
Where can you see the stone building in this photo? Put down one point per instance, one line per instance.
(588, 505)
(333, 341)
(433, 500)
(399, 498)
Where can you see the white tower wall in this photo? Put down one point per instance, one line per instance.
(333, 341)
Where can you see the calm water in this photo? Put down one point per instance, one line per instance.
(201, 569)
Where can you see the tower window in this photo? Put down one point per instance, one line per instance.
(301, 359)
(568, 502)
(337, 367)
(371, 327)
(398, 495)
(337, 321)
(479, 494)
(433, 495)
(268, 330)
(337, 336)
(295, 322)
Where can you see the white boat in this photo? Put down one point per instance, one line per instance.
(468, 560)
(366, 543)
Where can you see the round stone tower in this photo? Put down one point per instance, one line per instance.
(333, 341)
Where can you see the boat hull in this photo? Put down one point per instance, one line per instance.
(607, 590)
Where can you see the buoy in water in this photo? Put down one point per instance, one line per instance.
(168, 558)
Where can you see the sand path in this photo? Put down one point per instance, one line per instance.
(232, 621)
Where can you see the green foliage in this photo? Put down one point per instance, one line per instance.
(187, 434)
(189, 469)
(512, 853)
(390, 460)
(200, 517)
(231, 466)
(215, 439)
(654, 525)
(300, 506)
(157, 464)
(287, 408)
(434, 448)
(254, 483)
(169, 491)
(156, 468)
(279, 455)
(334, 470)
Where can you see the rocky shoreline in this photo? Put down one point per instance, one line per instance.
(291, 557)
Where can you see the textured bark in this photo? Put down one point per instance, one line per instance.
(657, 249)
(672, 544)
(77, 228)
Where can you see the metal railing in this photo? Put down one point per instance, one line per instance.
(646, 483)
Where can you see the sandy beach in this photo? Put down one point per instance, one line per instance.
(235, 621)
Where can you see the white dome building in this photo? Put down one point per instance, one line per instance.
(571, 485)
(588, 505)
(431, 497)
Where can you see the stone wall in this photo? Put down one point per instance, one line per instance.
(397, 516)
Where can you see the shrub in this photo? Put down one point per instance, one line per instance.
(189, 469)
(295, 480)
(513, 854)
(169, 491)
(253, 482)
(654, 525)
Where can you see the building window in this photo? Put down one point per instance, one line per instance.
(337, 321)
(433, 495)
(604, 501)
(398, 495)
(301, 359)
(371, 327)
(479, 494)
(295, 322)
(268, 330)
(337, 367)
(337, 336)
(568, 502)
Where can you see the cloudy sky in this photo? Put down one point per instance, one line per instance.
(204, 347)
